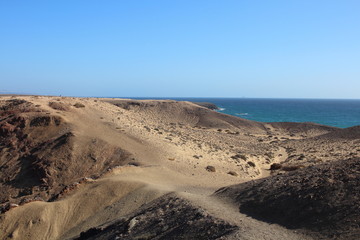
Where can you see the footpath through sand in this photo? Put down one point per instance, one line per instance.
(171, 146)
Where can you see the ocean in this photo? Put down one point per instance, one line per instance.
(332, 112)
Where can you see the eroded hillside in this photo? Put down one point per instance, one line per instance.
(107, 168)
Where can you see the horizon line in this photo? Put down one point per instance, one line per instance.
(167, 97)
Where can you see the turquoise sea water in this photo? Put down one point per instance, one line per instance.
(332, 112)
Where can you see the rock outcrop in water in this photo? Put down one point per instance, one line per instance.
(208, 105)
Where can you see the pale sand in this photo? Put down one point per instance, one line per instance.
(167, 165)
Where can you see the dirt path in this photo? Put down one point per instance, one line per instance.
(279, 156)
(177, 165)
(249, 228)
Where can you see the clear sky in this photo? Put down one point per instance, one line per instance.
(180, 48)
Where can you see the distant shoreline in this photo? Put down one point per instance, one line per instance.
(342, 113)
(178, 98)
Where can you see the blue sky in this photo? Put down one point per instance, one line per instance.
(151, 48)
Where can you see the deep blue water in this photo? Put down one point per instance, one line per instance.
(333, 112)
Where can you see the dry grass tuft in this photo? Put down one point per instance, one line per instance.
(275, 166)
(292, 168)
(79, 105)
(232, 173)
(59, 106)
(251, 164)
(210, 169)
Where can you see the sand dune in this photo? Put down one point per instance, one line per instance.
(169, 111)
(106, 168)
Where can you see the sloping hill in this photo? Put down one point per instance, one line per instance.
(322, 199)
(168, 217)
(105, 169)
(41, 156)
(187, 113)
(308, 129)
(351, 133)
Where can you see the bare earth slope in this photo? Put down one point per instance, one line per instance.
(191, 114)
(340, 144)
(323, 199)
(41, 155)
(168, 217)
(110, 168)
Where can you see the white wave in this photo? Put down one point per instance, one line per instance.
(241, 114)
(221, 109)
